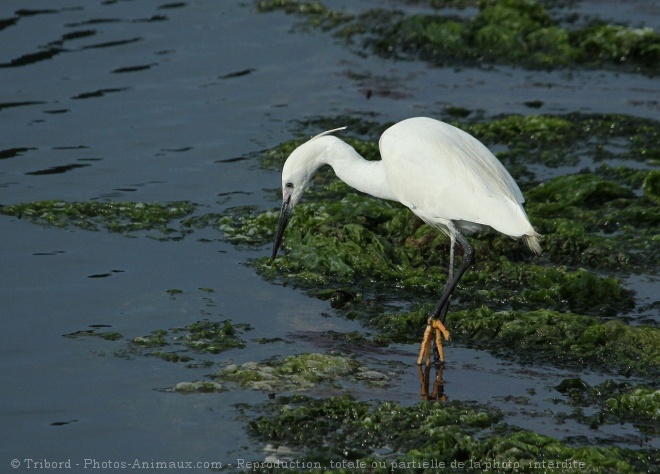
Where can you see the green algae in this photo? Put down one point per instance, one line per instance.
(517, 32)
(525, 286)
(327, 246)
(317, 14)
(337, 426)
(560, 338)
(563, 338)
(201, 337)
(535, 130)
(203, 386)
(122, 217)
(584, 190)
(593, 218)
(171, 356)
(641, 403)
(651, 186)
(560, 140)
(243, 226)
(425, 437)
(617, 44)
(617, 402)
(513, 29)
(213, 336)
(300, 372)
(155, 339)
(354, 338)
(105, 335)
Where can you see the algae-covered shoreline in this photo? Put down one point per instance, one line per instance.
(517, 32)
(565, 309)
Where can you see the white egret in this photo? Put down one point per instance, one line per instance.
(442, 174)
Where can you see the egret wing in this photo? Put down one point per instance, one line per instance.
(444, 174)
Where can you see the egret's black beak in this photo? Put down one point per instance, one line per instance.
(281, 224)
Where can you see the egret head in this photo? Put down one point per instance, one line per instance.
(297, 173)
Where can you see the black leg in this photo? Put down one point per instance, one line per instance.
(440, 310)
(450, 276)
(442, 315)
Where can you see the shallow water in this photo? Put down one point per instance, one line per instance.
(153, 101)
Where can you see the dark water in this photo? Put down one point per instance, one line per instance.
(152, 101)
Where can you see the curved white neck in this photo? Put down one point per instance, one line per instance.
(366, 176)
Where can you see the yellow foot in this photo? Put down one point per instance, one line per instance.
(433, 326)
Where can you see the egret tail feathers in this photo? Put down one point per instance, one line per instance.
(532, 241)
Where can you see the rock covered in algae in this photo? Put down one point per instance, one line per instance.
(563, 338)
(616, 402)
(651, 186)
(204, 386)
(642, 403)
(213, 336)
(520, 32)
(92, 215)
(387, 437)
(182, 344)
(300, 372)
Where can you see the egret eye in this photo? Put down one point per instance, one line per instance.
(288, 185)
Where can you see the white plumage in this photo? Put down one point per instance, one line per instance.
(444, 175)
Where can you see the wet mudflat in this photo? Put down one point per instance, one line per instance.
(139, 156)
